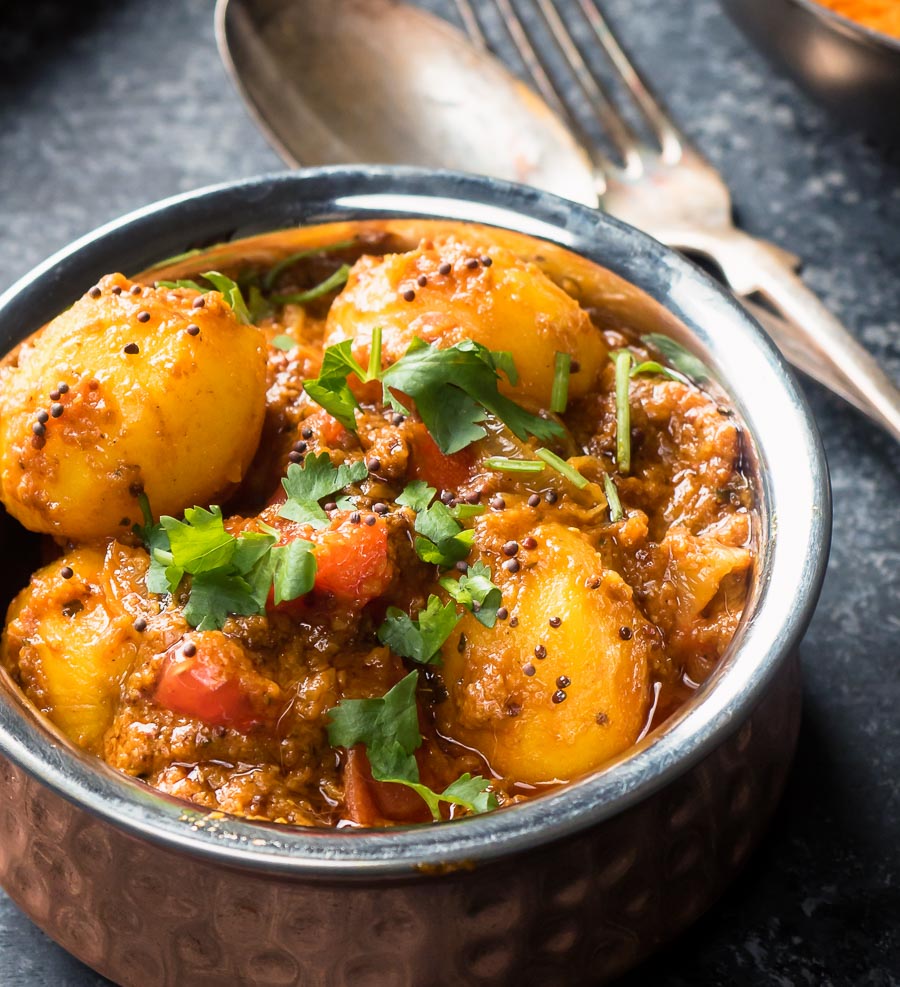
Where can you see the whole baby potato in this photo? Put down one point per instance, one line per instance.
(448, 290)
(132, 389)
(562, 685)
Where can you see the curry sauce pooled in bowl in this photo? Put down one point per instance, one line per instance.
(397, 527)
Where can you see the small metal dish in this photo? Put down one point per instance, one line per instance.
(848, 67)
(573, 887)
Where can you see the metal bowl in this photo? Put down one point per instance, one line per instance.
(851, 69)
(573, 887)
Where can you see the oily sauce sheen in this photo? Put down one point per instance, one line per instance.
(604, 624)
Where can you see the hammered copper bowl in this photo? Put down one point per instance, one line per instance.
(573, 887)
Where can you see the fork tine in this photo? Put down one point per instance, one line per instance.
(672, 141)
(470, 23)
(604, 166)
(616, 126)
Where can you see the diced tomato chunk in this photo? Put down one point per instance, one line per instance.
(368, 802)
(326, 428)
(209, 683)
(352, 561)
(428, 463)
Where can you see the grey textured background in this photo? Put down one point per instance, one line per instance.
(105, 106)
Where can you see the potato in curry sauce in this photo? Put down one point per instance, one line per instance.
(408, 524)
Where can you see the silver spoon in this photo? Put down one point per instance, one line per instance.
(431, 99)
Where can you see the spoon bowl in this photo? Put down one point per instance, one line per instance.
(431, 98)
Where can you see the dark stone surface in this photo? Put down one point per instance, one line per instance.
(105, 106)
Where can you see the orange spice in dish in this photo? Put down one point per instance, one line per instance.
(878, 15)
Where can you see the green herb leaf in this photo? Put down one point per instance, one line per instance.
(231, 292)
(561, 466)
(284, 342)
(417, 494)
(463, 511)
(200, 543)
(443, 540)
(653, 367)
(330, 388)
(316, 479)
(677, 356)
(389, 730)
(476, 592)
(454, 387)
(215, 595)
(503, 464)
(295, 570)
(559, 396)
(419, 639)
(229, 289)
(375, 355)
(612, 497)
(623, 360)
(334, 281)
(276, 270)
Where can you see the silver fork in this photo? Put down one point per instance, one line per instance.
(672, 192)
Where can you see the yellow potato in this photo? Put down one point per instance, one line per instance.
(147, 406)
(510, 305)
(496, 706)
(71, 642)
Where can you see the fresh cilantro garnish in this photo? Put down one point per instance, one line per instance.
(442, 539)
(612, 498)
(623, 360)
(559, 396)
(453, 388)
(419, 639)
(316, 479)
(504, 464)
(229, 289)
(654, 367)
(229, 574)
(680, 358)
(561, 466)
(417, 494)
(389, 729)
(475, 591)
(275, 272)
(335, 280)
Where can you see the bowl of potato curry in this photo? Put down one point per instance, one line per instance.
(371, 530)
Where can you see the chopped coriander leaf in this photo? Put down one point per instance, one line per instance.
(463, 511)
(389, 729)
(231, 292)
(229, 289)
(623, 360)
(504, 464)
(295, 570)
(561, 466)
(229, 575)
(336, 280)
(284, 342)
(442, 539)
(419, 639)
(475, 587)
(183, 283)
(453, 388)
(653, 367)
(375, 355)
(612, 496)
(276, 270)
(330, 388)
(316, 479)
(417, 494)
(677, 356)
(559, 396)
(257, 303)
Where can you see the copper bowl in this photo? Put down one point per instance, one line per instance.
(846, 66)
(573, 887)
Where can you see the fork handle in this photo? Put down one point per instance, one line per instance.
(833, 356)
